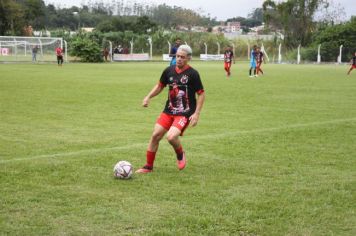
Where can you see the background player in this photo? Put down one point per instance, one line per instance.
(182, 107)
(253, 61)
(228, 58)
(259, 60)
(174, 51)
(353, 65)
(59, 53)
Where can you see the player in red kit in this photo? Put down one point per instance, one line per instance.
(182, 108)
(353, 65)
(228, 58)
(259, 60)
(59, 53)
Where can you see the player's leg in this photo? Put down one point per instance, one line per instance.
(157, 135)
(352, 67)
(228, 69)
(173, 138)
(179, 125)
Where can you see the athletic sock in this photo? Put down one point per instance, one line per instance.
(179, 152)
(250, 71)
(150, 158)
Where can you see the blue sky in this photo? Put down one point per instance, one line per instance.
(221, 9)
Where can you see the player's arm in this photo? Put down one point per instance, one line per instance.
(154, 92)
(195, 117)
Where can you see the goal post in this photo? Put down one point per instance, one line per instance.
(30, 49)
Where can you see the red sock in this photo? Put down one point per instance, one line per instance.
(150, 158)
(179, 152)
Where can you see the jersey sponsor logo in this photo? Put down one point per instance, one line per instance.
(184, 79)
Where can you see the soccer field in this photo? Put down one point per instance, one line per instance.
(273, 155)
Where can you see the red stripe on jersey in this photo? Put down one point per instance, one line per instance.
(178, 70)
(200, 91)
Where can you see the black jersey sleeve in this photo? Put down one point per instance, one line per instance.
(164, 77)
(197, 84)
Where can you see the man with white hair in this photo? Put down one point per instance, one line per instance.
(182, 107)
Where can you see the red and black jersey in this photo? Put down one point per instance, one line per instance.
(354, 60)
(183, 85)
(259, 57)
(228, 55)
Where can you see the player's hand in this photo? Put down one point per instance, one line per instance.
(194, 119)
(145, 102)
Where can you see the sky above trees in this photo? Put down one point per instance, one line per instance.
(222, 9)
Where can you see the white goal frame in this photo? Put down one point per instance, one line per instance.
(18, 49)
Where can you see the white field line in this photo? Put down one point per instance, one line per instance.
(195, 137)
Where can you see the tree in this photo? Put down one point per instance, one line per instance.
(35, 12)
(11, 18)
(294, 18)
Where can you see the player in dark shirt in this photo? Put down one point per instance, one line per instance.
(228, 58)
(353, 65)
(182, 107)
(174, 51)
(259, 60)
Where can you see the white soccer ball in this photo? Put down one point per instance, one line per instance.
(123, 170)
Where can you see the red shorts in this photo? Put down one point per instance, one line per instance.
(167, 121)
(227, 64)
(353, 66)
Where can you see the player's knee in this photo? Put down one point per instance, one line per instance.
(171, 138)
(156, 137)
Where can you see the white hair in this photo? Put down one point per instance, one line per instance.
(186, 49)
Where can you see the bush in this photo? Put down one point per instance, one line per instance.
(86, 49)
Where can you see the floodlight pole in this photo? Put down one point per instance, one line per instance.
(150, 42)
(15, 48)
(298, 56)
(65, 51)
(110, 43)
(319, 57)
(264, 51)
(279, 53)
(218, 47)
(206, 48)
(169, 47)
(131, 49)
(340, 55)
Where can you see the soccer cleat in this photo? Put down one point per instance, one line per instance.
(144, 170)
(181, 163)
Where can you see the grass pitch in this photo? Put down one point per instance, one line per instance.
(273, 155)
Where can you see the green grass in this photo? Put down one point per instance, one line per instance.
(273, 155)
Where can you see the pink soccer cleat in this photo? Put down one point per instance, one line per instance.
(144, 170)
(182, 163)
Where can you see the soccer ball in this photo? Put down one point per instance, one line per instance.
(123, 170)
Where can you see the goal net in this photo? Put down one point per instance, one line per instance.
(30, 49)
